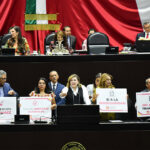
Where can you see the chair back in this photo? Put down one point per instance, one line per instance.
(48, 39)
(97, 43)
(4, 39)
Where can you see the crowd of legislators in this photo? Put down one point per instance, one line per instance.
(72, 93)
(64, 37)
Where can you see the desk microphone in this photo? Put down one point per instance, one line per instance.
(40, 121)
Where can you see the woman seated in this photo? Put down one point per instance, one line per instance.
(74, 92)
(42, 90)
(60, 40)
(92, 89)
(17, 42)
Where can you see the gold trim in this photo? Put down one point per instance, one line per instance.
(73, 145)
(40, 16)
(52, 27)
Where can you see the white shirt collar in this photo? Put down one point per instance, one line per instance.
(53, 84)
(76, 91)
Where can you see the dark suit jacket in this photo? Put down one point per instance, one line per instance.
(6, 89)
(59, 101)
(72, 41)
(146, 90)
(142, 34)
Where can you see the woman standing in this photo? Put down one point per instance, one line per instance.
(106, 82)
(92, 89)
(42, 90)
(74, 92)
(17, 42)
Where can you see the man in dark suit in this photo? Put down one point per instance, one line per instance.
(56, 87)
(71, 40)
(5, 88)
(146, 34)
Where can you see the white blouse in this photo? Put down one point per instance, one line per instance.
(85, 93)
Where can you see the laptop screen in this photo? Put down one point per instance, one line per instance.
(8, 51)
(112, 50)
(143, 46)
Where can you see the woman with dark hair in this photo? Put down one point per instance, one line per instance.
(92, 88)
(18, 42)
(74, 92)
(42, 90)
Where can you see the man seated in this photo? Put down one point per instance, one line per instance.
(84, 44)
(146, 34)
(5, 88)
(71, 40)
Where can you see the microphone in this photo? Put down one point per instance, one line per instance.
(41, 121)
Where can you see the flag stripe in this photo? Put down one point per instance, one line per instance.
(41, 9)
(144, 10)
(30, 9)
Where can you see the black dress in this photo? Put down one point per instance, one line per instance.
(74, 99)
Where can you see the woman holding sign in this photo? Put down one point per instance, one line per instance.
(92, 88)
(42, 90)
(106, 82)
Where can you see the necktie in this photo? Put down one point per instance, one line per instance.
(54, 87)
(147, 36)
(68, 42)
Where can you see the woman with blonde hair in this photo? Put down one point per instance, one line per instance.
(75, 92)
(106, 81)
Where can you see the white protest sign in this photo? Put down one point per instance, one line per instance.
(39, 108)
(112, 100)
(143, 104)
(7, 109)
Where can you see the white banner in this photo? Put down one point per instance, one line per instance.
(39, 108)
(7, 109)
(143, 104)
(112, 100)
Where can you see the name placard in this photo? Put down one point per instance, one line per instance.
(39, 108)
(143, 104)
(7, 109)
(112, 100)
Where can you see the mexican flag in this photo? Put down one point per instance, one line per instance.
(36, 10)
(143, 10)
(36, 7)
